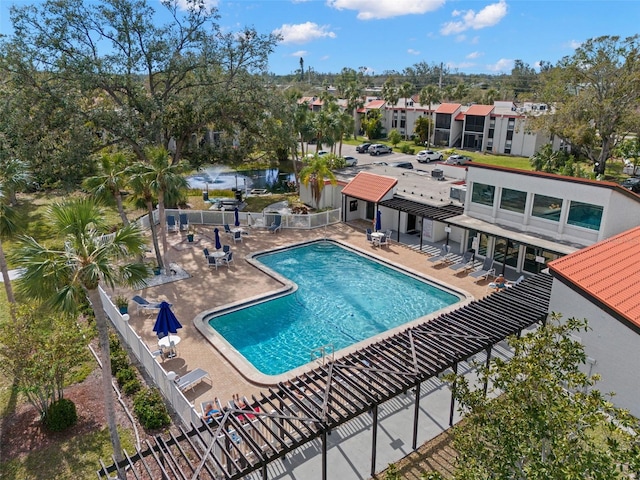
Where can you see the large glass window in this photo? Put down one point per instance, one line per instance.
(513, 200)
(585, 215)
(546, 207)
(536, 259)
(483, 194)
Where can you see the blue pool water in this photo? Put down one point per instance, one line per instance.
(342, 298)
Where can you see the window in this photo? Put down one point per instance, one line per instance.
(510, 135)
(585, 215)
(513, 200)
(546, 207)
(483, 194)
(511, 124)
(491, 132)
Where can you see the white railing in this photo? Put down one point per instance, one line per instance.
(254, 219)
(183, 407)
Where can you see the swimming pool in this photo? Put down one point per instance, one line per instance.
(342, 298)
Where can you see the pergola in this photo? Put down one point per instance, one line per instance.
(289, 415)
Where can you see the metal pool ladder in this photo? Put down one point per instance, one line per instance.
(321, 354)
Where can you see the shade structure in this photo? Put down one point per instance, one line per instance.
(378, 220)
(166, 322)
(217, 235)
(237, 217)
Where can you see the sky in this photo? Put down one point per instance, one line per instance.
(470, 37)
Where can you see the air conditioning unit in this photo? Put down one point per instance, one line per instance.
(437, 173)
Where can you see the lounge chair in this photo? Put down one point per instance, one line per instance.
(191, 379)
(467, 263)
(144, 304)
(513, 284)
(172, 226)
(484, 271)
(442, 256)
(276, 225)
(184, 222)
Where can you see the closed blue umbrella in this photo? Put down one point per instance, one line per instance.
(217, 235)
(378, 221)
(235, 212)
(166, 322)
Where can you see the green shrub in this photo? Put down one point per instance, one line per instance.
(61, 415)
(125, 375)
(406, 149)
(132, 387)
(119, 361)
(150, 409)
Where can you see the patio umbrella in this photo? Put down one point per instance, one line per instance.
(217, 234)
(235, 212)
(166, 322)
(378, 220)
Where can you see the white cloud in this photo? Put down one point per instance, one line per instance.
(185, 4)
(502, 65)
(473, 55)
(303, 32)
(460, 66)
(413, 52)
(299, 53)
(377, 9)
(574, 44)
(469, 19)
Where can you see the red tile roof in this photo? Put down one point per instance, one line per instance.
(448, 108)
(369, 187)
(375, 104)
(479, 110)
(459, 116)
(608, 272)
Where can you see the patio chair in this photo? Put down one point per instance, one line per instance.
(237, 236)
(276, 225)
(227, 229)
(226, 248)
(144, 304)
(191, 379)
(184, 222)
(484, 271)
(228, 258)
(466, 263)
(206, 252)
(384, 240)
(442, 256)
(171, 223)
(369, 238)
(215, 262)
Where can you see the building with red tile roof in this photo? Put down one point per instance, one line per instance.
(602, 284)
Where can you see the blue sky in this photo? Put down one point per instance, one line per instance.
(468, 36)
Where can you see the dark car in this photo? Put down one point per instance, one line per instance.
(364, 148)
(632, 184)
(408, 165)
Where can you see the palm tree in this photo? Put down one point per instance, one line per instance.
(406, 90)
(15, 176)
(165, 181)
(429, 94)
(110, 180)
(66, 277)
(8, 227)
(314, 174)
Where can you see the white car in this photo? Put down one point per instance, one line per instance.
(319, 153)
(350, 161)
(426, 156)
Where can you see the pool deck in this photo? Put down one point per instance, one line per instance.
(208, 288)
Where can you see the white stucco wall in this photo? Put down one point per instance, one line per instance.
(614, 346)
(619, 211)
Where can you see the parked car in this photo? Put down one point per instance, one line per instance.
(378, 148)
(632, 184)
(458, 160)
(364, 148)
(407, 165)
(426, 156)
(350, 161)
(319, 153)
